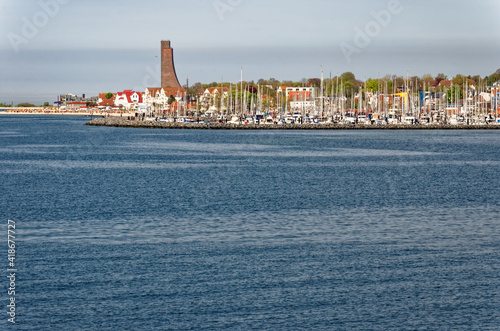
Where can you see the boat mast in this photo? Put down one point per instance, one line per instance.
(241, 109)
(321, 93)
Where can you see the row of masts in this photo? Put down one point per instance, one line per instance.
(238, 99)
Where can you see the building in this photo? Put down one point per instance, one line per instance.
(301, 98)
(168, 75)
(105, 102)
(76, 106)
(282, 89)
(65, 99)
(128, 99)
(158, 97)
(211, 96)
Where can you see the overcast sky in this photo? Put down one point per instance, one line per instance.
(51, 47)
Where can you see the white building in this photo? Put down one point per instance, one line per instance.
(158, 97)
(128, 99)
(211, 95)
(301, 98)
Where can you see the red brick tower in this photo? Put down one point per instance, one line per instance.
(168, 76)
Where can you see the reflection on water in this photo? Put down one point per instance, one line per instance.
(416, 225)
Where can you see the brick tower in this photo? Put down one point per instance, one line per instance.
(168, 76)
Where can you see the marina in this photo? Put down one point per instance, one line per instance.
(250, 165)
(342, 100)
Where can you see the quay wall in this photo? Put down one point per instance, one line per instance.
(125, 123)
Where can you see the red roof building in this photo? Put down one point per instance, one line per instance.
(128, 99)
(106, 102)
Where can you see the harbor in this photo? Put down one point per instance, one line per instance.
(250, 165)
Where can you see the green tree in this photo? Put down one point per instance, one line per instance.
(477, 79)
(390, 87)
(427, 78)
(491, 79)
(454, 93)
(459, 80)
(372, 85)
(213, 84)
(275, 83)
(441, 76)
(348, 77)
(193, 89)
(25, 104)
(349, 89)
(46, 104)
(400, 81)
(108, 95)
(171, 99)
(416, 84)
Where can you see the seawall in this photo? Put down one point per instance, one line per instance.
(124, 123)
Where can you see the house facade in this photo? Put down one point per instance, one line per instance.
(105, 102)
(211, 95)
(128, 99)
(301, 98)
(158, 97)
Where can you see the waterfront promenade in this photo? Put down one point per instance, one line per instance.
(124, 122)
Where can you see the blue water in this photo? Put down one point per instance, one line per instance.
(132, 229)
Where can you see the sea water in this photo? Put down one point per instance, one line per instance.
(136, 229)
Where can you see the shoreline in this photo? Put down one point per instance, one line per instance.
(6, 113)
(124, 123)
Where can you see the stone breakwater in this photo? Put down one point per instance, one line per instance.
(124, 123)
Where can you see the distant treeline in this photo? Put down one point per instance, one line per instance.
(24, 104)
(350, 84)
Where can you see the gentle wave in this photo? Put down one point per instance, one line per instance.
(410, 225)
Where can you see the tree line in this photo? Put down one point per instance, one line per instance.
(347, 83)
(24, 104)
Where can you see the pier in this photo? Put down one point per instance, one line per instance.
(152, 124)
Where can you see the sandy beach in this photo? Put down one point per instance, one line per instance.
(41, 111)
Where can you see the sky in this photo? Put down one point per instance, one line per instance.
(52, 47)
